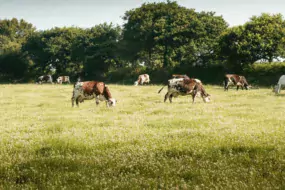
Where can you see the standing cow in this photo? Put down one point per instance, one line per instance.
(183, 87)
(235, 80)
(281, 82)
(92, 89)
(142, 79)
(45, 78)
(62, 79)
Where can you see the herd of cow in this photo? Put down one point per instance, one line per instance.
(177, 85)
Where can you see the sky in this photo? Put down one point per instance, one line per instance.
(46, 14)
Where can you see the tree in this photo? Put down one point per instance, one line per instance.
(13, 33)
(96, 49)
(171, 33)
(262, 38)
(52, 47)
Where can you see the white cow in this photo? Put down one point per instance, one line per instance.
(142, 79)
(281, 82)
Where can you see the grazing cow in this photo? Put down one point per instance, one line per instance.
(235, 80)
(142, 79)
(62, 79)
(281, 82)
(182, 86)
(45, 78)
(92, 89)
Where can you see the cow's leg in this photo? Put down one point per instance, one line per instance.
(237, 87)
(226, 84)
(170, 98)
(278, 88)
(194, 94)
(72, 100)
(97, 100)
(166, 96)
(76, 101)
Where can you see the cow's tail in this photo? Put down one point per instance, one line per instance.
(161, 89)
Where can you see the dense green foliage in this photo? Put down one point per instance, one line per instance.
(265, 74)
(163, 37)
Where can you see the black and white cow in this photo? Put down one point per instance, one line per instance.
(45, 79)
(183, 87)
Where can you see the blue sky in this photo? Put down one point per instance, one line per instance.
(45, 14)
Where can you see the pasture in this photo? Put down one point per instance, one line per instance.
(237, 141)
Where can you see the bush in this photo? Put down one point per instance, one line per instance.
(266, 74)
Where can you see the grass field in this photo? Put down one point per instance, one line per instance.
(235, 142)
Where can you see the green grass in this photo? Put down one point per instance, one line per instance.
(235, 142)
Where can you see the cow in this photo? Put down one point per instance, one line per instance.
(62, 79)
(92, 89)
(184, 86)
(45, 78)
(281, 82)
(235, 80)
(142, 79)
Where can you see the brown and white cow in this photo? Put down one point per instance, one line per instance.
(235, 80)
(62, 79)
(92, 89)
(142, 79)
(44, 79)
(183, 87)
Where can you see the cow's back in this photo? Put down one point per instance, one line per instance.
(91, 87)
(282, 80)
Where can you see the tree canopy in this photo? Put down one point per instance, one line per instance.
(159, 36)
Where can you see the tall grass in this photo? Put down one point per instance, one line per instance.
(235, 142)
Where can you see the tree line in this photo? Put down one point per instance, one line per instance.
(155, 36)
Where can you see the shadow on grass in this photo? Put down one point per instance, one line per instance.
(280, 95)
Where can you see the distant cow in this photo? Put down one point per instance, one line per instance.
(63, 79)
(183, 87)
(281, 82)
(235, 80)
(45, 78)
(92, 89)
(142, 79)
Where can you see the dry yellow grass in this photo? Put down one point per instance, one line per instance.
(235, 142)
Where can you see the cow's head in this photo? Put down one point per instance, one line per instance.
(207, 98)
(275, 89)
(136, 83)
(111, 102)
(59, 80)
